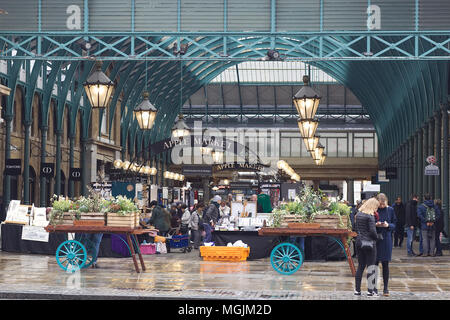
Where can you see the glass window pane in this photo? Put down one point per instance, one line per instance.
(358, 147)
(368, 147)
(285, 147)
(342, 148)
(331, 149)
(295, 147)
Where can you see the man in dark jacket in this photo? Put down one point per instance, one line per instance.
(211, 216)
(428, 214)
(159, 219)
(412, 224)
(399, 209)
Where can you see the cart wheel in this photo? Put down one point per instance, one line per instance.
(286, 258)
(71, 255)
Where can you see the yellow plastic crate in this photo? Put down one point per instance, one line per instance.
(223, 253)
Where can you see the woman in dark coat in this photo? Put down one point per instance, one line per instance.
(385, 227)
(367, 234)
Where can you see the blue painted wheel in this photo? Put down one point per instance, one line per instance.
(286, 258)
(71, 255)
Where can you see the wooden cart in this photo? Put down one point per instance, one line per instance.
(287, 258)
(73, 255)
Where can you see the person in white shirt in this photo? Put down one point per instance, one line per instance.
(224, 211)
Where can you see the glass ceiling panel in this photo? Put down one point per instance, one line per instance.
(272, 72)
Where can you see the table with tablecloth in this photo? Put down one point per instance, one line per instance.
(316, 248)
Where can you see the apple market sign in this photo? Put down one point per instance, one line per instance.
(431, 169)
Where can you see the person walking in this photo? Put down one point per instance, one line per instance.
(399, 209)
(366, 245)
(385, 227)
(195, 223)
(412, 225)
(428, 214)
(211, 216)
(439, 228)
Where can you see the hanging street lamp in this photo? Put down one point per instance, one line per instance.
(180, 129)
(98, 87)
(145, 113)
(317, 152)
(311, 143)
(321, 161)
(307, 127)
(306, 100)
(118, 163)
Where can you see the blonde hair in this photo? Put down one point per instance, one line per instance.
(370, 206)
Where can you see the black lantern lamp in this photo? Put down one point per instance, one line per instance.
(180, 129)
(98, 87)
(145, 113)
(306, 100)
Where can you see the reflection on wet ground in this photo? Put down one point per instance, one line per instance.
(178, 275)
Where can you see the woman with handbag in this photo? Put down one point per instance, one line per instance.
(366, 245)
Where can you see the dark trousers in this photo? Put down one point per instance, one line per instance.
(385, 265)
(438, 243)
(398, 236)
(366, 258)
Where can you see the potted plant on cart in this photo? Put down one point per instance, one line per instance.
(62, 211)
(121, 212)
(90, 210)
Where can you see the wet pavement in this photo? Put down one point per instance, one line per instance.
(178, 276)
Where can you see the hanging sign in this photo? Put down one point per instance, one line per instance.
(47, 170)
(33, 233)
(431, 169)
(75, 174)
(193, 170)
(13, 167)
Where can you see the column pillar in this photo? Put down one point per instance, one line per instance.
(84, 167)
(71, 192)
(26, 164)
(43, 180)
(445, 168)
(431, 152)
(425, 155)
(420, 153)
(438, 146)
(58, 163)
(7, 181)
(410, 167)
(416, 163)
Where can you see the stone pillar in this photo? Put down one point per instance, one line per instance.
(316, 184)
(71, 190)
(410, 165)
(58, 190)
(425, 155)
(7, 183)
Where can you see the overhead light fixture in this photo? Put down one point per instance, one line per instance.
(145, 113)
(206, 150)
(180, 129)
(321, 161)
(311, 143)
(98, 87)
(318, 151)
(118, 163)
(306, 100)
(307, 127)
(126, 165)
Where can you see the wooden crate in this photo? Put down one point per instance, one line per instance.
(67, 220)
(303, 225)
(330, 221)
(130, 220)
(290, 218)
(82, 222)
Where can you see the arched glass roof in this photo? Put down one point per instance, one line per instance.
(272, 72)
